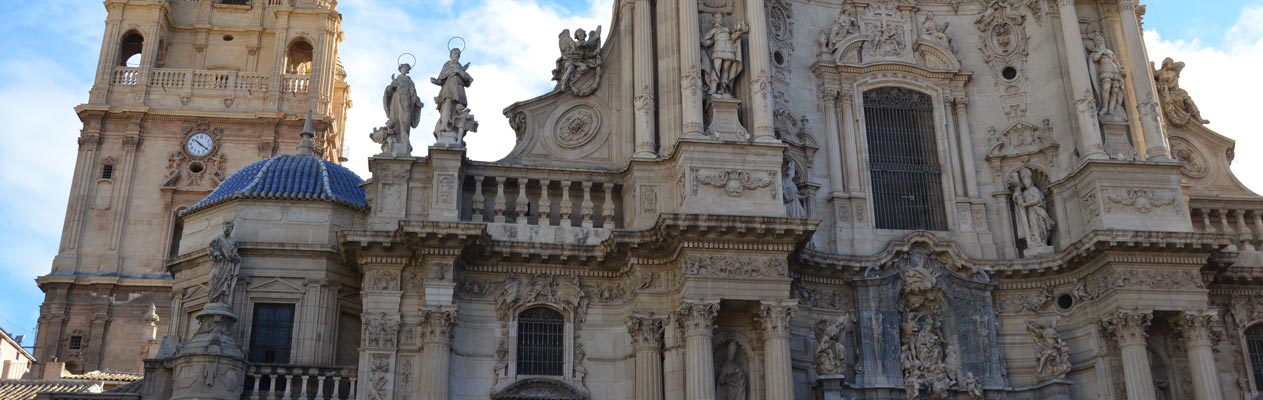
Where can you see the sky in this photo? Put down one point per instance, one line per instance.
(46, 69)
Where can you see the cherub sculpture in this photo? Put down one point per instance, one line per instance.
(579, 58)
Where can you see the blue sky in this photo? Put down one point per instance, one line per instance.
(46, 69)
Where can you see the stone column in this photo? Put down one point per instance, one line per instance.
(961, 106)
(673, 359)
(691, 69)
(646, 336)
(1128, 328)
(1090, 143)
(760, 73)
(643, 77)
(436, 337)
(1142, 77)
(852, 143)
(1196, 327)
(772, 322)
(699, 325)
(829, 107)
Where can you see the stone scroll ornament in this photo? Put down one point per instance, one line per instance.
(403, 112)
(223, 250)
(1176, 103)
(455, 118)
(578, 68)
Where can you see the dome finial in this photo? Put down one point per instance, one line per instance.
(305, 146)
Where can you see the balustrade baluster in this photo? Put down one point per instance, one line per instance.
(289, 383)
(545, 205)
(499, 207)
(255, 373)
(566, 206)
(1223, 221)
(337, 388)
(354, 380)
(586, 209)
(520, 203)
(302, 394)
(1244, 231)
(320, 383)
(607, 206)
(478, 201)
(272, 385)
(1258, 225)
(1206, 225)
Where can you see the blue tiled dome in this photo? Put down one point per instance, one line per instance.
(290, 177)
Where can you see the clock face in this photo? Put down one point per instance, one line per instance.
(200, 144)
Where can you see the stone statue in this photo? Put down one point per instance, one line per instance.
(725, 55)
(830, 357)
(403, 111)
(1176, 103)
(579, 56)
(223, 249)
(1110, 76)
(972, 386)
(789, 193)
(453, 79)
(933, 31)
(462, 122)
(1032, 220)
(1053, 357)
(732, 377)
(844, 26)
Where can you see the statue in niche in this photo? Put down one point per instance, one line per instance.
(733, 380)
(223, 250)
(725, 56)
(403, 112)
(1110, 77)
(579, 56)
(1176, 103)
(789, 192)
(844, 26)
(1053, 357)
(830, 357)
(1034, 225)
(933, 31)
(453, 79)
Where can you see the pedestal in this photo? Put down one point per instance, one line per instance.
(725, 123)
(211, 365)
(830, 387)
(1117, 138)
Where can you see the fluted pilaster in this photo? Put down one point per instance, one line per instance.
(1197, 327)
(699, 326)
(646, 336)
(436, 337)
(1128, 329)
(772, 322)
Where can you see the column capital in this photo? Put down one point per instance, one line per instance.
(699, 317)
(1127, 326)
(646, 332)
(1198, 327)
(773, 317)
(436, 324)
(829, 95)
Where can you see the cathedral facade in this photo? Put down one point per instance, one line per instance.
(720, 200)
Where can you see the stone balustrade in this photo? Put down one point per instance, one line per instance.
(588, 203)
(298, 382)
(126, 76)
(1245, 223)
(180, 87)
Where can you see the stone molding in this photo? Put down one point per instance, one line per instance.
(734, 266)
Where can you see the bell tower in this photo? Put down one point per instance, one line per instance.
(186, 92)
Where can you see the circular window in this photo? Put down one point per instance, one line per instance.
(779, 58)
(196, 167)
(1065, 301)
(228, 38)
(1009, 73)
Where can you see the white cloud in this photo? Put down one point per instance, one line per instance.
(1222, 81)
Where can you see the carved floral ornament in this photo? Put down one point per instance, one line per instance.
(1194, 163)
(542, 289)
(734, 182)
(1141, 200)
(577, 126)
(719, 266)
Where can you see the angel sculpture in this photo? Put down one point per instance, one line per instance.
(1176, 102)
(579, 56)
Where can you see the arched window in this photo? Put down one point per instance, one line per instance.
(1254, 345)
(903, 159)
(129, 50)
(541, 344)
(298, 58)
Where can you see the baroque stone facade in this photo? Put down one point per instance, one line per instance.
(744, 200)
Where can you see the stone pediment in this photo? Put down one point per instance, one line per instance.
(539, 388)
(1206, 157)
(1022, 144)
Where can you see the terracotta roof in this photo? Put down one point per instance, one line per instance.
(130, 387)
(106, 376)
(26, 390)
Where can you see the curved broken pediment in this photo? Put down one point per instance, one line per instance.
(538, 389)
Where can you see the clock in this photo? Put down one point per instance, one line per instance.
(200, 144)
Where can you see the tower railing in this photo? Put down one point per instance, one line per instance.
(298, 382)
